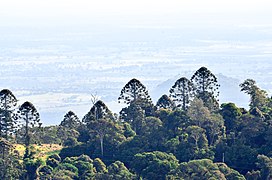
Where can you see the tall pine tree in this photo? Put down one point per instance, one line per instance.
(132, 91)
(182, 92)
(29, 118)
(8, 103)
(98, 111)
(207, 88)
(165, 102)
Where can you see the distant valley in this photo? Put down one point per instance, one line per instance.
(59, 70)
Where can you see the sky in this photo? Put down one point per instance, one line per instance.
(83, 7)
(43, 43)
(76, 11)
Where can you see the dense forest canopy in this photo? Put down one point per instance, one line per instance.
(186, 134)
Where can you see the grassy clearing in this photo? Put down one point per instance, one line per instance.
(42, 151)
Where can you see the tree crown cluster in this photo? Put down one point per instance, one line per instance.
(185, 135)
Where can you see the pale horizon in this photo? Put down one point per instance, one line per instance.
(57, 53)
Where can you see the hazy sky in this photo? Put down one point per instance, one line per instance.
(44, 42)
(76, 11)
(86, 7)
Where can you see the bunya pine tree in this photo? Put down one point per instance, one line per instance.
(165, 102)
(182, 92)
(132, 91)
(207, 88)
(8, 103)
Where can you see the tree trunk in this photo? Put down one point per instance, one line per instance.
(27, 133)
(184, 98)
(203, 85)
(134, 92)
(6, 119)
(101, 146)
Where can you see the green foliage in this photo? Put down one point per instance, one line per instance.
(135, 113)
(10, 166)
(132, 91)
(118, 170)
(165, 102)
(207, 88)
(29, 117)
(256, 112)
(241, 157)
(252, 130)
(146, 141)
(204, 169)
(84, 134)
(212, 123)
(63, 174)
(174, 121)
(75, 151)
(30, 151)
(108, 135)
(85, 169)
(45, 172)
(182, 92)
(215, 129)
(128, 132)
(129, 148)
(84, 164)
(98, 111)
(31, 166)
(67, 166)
(55, 156)
(71, 141)
(154, 165)
(68, 129)
(5, 147)
(52, 162)
(265, 164)
(193, 145)
(253, 175)
(151, 125)
(229, 172)
(198, 113)
(82, 168)
(8, 121)
(99, 166)
(42, 135)
(70, 121)
(230, 114)
(140, 105)
(258, 97)
(197, 137)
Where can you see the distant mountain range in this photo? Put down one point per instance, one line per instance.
(229, 90)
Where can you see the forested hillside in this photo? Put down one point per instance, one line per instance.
(186, 134)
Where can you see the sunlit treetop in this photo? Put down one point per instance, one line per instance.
(132, 91)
